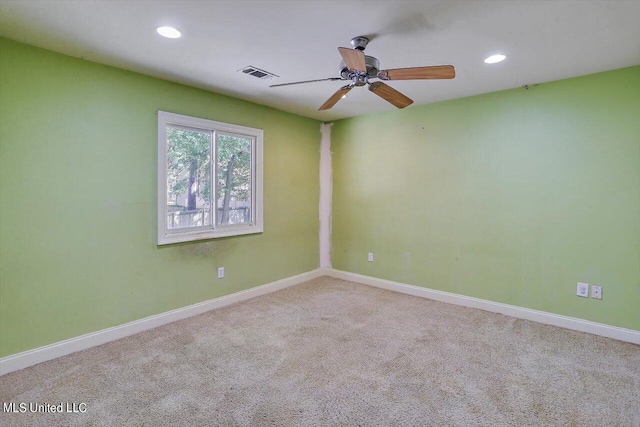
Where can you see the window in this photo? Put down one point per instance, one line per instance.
(209, 179)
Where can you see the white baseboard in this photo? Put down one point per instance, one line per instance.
(62, 348)
(622, 334)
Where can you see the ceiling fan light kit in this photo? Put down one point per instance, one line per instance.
(359, 68)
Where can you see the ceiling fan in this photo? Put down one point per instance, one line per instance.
(360, 68)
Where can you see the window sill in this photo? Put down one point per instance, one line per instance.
(196, 235)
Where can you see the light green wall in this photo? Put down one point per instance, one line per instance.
(78, 199)
(512, 196)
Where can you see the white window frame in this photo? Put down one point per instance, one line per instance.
(168, 236)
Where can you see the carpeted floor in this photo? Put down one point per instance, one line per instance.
(330, 352)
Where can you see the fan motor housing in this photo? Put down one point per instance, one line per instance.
(373, 66)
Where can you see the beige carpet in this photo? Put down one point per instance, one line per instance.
(330, 352)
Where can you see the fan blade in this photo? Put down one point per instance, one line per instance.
(335, 98)
(308, 81)
(353, 58)
(419, 73)
(389, 94)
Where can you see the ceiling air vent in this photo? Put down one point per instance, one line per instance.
(257, 72)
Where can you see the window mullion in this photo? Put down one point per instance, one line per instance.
(214, 179)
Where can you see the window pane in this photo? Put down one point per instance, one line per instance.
(188, 177)
(234, 179)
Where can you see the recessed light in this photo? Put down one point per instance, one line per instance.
(168, 32)
(495, 58)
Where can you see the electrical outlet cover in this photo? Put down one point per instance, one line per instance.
(596, 292)
(583, 290)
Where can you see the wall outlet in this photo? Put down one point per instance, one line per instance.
(220, 272)
(596, 292)
(370, 257)
(583, 290)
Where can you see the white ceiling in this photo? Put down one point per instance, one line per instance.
(545, 40)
